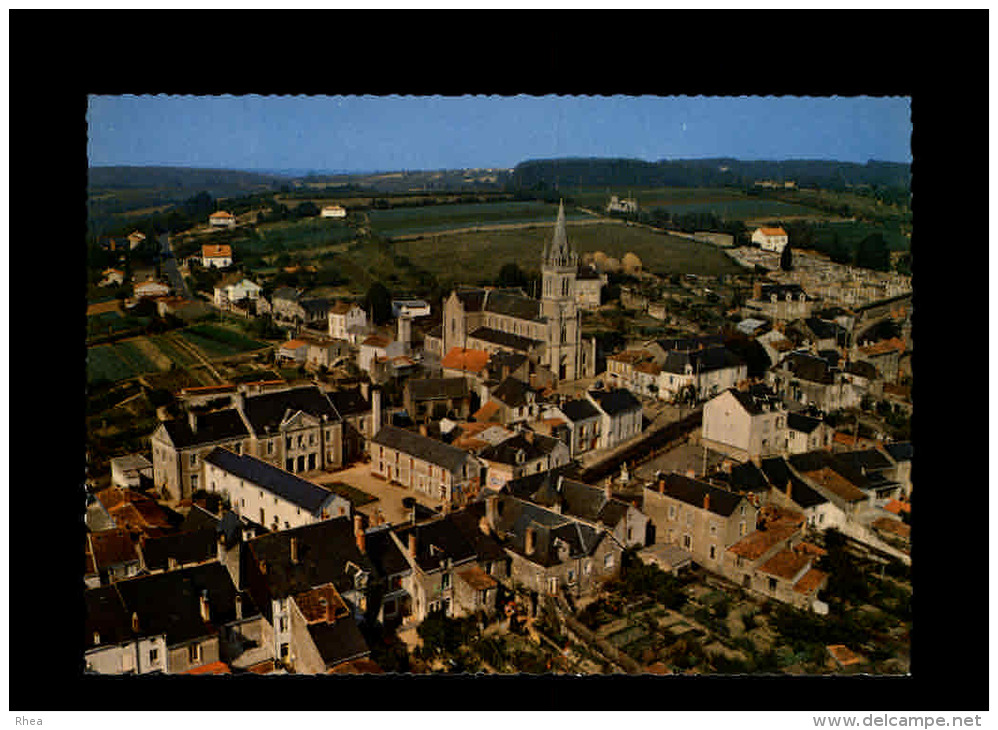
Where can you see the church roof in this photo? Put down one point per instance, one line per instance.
(561, 252)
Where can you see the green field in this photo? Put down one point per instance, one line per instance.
(436, 218)
(303, 235)
(726, 203)
(851, 233)
(216, 341)
(472, 257)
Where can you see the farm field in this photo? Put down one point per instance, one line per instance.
(470, 257)
(851, 233)
(435, 218)
(308, 234)
(216, 341)
(727, 203)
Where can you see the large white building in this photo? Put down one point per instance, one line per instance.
(770, 239)
(547, 329)
(745, 425)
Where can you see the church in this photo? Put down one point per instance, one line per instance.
(547, 330)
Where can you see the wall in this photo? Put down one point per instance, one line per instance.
(178, 656)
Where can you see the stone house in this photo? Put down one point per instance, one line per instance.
(233, 288)
(132, 471)
(884, 356)
(589, 285)
(583, 420)
(394, 571)
(297, 429)
(699, 517)
(835, 479)
(510, 402)
(550, 552)
(435, 398)
(222, 219)
(809, 380)
(621, 416)
(807, 433)
(456, 565)
(115, 555)
(293, 351)
(324, 634)
(342, 316)
(745, 424)
(111, 646)
(267, 495)
(423, 464)
(525, 453)
(770, 239)
(706, 371)
(278, 566)
(285, 306)
(218, 255)
(900, 454)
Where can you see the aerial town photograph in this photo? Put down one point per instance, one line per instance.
(498, 385)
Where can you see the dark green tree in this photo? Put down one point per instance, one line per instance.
(786, 259)
(872, 253)
(378, 303)
(512, 276)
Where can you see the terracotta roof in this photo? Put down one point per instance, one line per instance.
(221, 214)
(377, 341)
(648, 367)
(883, 347)
(836, 484)
(893, 526)
(810, 549)
(896, 506)
(847, 439)
(264, 667)
(810, 581)
(757, 542)
(213, 668)
(843, 655)
(486, 412)
(204, 389)
(631, 356)
(785, 564)
(460, 358)
(112, 547)
(321, 604)
(216, 250)
(772, 232)
(293, 344)
(477, 578)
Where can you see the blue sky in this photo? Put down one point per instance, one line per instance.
(367, 133)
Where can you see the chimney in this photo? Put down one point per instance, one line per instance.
(529, 435)
(726, 466)
(691, 474)
(412, 543)
(608, 492)
(789, 486)
(706, 500)
(205, 611)
(358, 531)
(135, 623)
(422, 429)
(192, 419)
(661, 485)
(294, 551)
(492, 510)
(483, 526)
(239, 607)
(375, 411)
(531, 540)
(365, 387)
(757, 290)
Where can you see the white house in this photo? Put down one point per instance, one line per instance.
(807, 433)
(112, 277)
(770, 239)
(745, 425)
(217, 255)
(410, 308)
(344, 315)
(334, 211)
(127, 471)
(707, 371)
(268, 495)
(222, 219)
(150, 289)
(235, 288)
(620, 415)
(294, 350)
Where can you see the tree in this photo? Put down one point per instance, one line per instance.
(510, 275)
(872, 253)
(378, 303)
(786, 259)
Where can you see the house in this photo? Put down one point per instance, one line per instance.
(790, 491)
(511, 402)
(423, 464)
(222, 219)
(115, 555)
(135, 238)
(582, 419)
(436, 398)
(411, 308)
(134, 511)
(810, 380)
(130, 471)
(550, 553)
(187, 310)
(552, 322)
(699, 517)
(285, 306)
(217, 255)
(778, 302)
(322, 352)
(705, 372)
(333, 211)
(324, 634)
(834, 479)
(462, 362)
(745, 424)
(293, 350)
(770, 239)
(877, 468)
(807, 432)
(589, 285)
(278, 566)
(342, 316)
(112, 277)
(594, 505)
(525, 453)
(298, 429)
(455, 565)
(113, 641)
(274, 498)
(376, 348)
(900, 454)
(150, 289)
(233, 288)
(433, 341)
(395, 573)
(884, 355)
(622, 205)
(621, 416)
(315, 312)
(361, 417)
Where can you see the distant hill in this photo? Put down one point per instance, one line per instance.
(584, 172)
(184, 180)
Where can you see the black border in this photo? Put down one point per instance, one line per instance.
(938, 59)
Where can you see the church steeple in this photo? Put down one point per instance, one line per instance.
(561, 252)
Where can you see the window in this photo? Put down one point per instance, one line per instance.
(285, 651)
(713, 552)
(237, 447)
(270, 446)
(445, 581)
(608, 560)
(153, 656)
(687, 542)
(194, 653)
(713, 529)
(672, 511)
(194, 459)
(772, 585)
(741, 528)
(194, 481)
(282, 624)
(587, 568)
(311, 439)
(301, 441)
(571, 576)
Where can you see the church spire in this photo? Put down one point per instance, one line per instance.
(560, 253)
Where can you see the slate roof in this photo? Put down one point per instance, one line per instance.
(432, 388)
(778, 474)
(221, 425)
(613, 402)
(436, 541)
(384, 553)
(516, 515)
(900, 451)
(504, 339)
(170, 603)
(505, 452)
(284, 484)
(315, 307)
(503, 359)
(270, 409)
(285, 292)
(106, 614)
(686, 344)
(863, 369)
(338, 642)
(869, 459)
(513, 304)
(757, 400)
(423, 447)
(692, 491)
(512, 392)
(747, 477)
(197, 546)
(324, 549)
(802, 423)
(198, 518)
(471, 299)
(715, 357)
(348, 402)
(579, 409)
(781, 290)
(809, 367)
(112, 547)
(816, 461)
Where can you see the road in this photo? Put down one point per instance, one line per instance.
(169, 264)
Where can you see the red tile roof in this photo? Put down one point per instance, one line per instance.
(213, 668)
(786, 564)
(810, 581)
(460, 358)
(216, 250)
(758, 542)
(293, 344)
(486, 412)
(772, 231)
(896, 506)
(896, 527)
(843, 655)
(883, 347)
